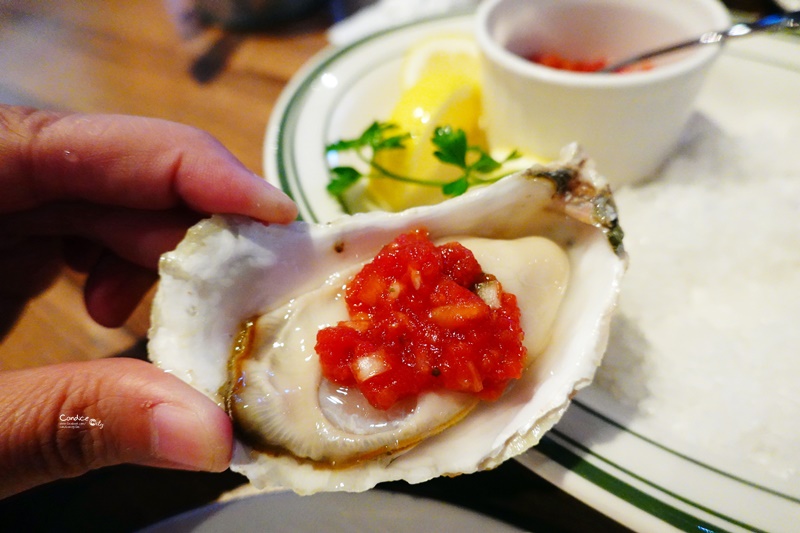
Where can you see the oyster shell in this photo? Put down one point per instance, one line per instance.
(229, 270)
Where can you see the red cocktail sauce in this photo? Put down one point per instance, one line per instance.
(418, 324)
(575, 65)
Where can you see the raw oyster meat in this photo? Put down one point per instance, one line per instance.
(240, 303)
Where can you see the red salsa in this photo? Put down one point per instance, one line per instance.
(424, 317)
(576, 65)
(562, 63)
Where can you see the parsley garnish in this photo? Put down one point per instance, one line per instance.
(451, 147)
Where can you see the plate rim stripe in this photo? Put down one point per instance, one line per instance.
(597, 414)
(644, 501)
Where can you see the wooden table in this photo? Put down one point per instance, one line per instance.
(136, 57)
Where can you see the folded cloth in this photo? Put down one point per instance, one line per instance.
(788, 5)
(385, 14)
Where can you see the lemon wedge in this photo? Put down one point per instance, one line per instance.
(441, 79)
(452, 52)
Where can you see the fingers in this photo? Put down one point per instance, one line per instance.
(114, 288)
(130, 185)
(63, 420)
(81, 254)
(128, 161)
(136, 235)
(28, 266)
(118, 248)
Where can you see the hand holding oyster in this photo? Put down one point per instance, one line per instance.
(240, 304)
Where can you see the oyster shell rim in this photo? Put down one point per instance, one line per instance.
(577, 194)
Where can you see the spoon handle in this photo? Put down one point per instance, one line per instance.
(770, 22)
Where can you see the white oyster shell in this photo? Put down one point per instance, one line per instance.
(230, 269)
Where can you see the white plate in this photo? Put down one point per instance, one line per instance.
(336, 96)
(639, 463)
(364, 512)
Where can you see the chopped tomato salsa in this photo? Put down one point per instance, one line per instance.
(424, 317)
(562, 63)
(576, 65)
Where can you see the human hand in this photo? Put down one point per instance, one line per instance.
(114, 192)
(109, 194)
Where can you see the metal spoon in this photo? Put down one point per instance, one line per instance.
(770, 22)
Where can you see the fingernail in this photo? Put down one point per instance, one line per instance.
(278, 205)
(181, 438)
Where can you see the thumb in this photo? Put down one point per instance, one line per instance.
(64, 420)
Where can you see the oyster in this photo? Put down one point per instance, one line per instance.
(239, 306)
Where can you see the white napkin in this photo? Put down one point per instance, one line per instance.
(788, 5)
(385, 14)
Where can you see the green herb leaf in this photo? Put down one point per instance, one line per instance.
(342, 179)
(452, 146)
(373, 132)
(456, 187)
(344, 145)
(390, 143)
(485, 163)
